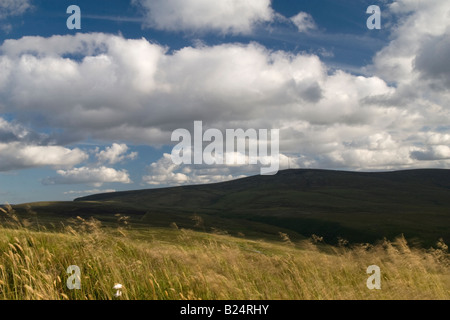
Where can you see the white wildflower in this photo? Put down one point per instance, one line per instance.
(118, 287)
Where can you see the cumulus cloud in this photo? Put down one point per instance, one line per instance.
(16, 155)
(230, 83)
(165, 173)
(304, 22)
(226, 86)
(225, 16)
(115, 154)
(94, 176)
(422, 24)
(379, 151)
(435, 138)
(21, 148)
(137, 91)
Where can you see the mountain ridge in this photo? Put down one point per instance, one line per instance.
(389, 175)
(359, 206)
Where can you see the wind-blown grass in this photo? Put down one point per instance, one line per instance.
(183, 264)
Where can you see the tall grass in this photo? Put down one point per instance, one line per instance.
(183, 264)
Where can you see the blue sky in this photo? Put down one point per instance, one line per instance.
(92, 110)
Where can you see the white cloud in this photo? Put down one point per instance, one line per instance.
(378, 141)
(115, 154)
(21, 148)
(325, 53)
(226, 86)
(225, 16)
(435, 138)
(94, 176)
(229, 81)
(10, 8)
(137, 91)
(162, 173)
(165, 173)
(85, 192)
(11, 131)
(438, 152)
(13, 7)
(16, 156)
(304, 22)
(421, 23)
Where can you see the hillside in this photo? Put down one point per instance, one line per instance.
(180, 264)
(356, 206)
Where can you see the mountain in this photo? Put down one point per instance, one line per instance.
(356, 206)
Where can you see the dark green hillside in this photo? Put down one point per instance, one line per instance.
(357, 206)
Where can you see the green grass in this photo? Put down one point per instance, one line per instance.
(174, 263)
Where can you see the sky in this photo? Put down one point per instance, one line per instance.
(93, 110)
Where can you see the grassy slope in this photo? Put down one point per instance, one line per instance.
(360, 207)
(173, 264)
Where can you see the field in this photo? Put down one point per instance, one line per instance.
(360, 207)
(178, 263)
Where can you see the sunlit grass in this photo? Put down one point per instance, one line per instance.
(183, 264)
